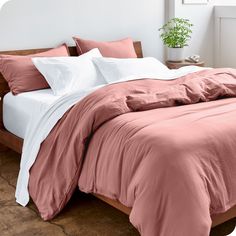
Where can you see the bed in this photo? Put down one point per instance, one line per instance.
(15, 141)
(17, 110)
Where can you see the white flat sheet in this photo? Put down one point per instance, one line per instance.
(18, 110)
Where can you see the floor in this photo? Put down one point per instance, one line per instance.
(84, 215)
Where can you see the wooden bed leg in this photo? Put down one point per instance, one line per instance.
(224, 229)
(3, 148)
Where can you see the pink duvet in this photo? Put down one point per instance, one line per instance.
(165, 148)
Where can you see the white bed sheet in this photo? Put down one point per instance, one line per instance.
(18, 110)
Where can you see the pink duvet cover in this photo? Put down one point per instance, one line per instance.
(138, 142)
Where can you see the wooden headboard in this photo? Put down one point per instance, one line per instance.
(4, 86)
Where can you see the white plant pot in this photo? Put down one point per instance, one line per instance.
(175, 54)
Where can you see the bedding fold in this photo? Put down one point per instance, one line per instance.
(180, 160)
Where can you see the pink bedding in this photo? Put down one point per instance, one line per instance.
(174, 165)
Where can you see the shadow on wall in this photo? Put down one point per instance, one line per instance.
(47, 23)
(207, 43)
(2, 2)
(202, 41)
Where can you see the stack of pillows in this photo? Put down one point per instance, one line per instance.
(98, 63)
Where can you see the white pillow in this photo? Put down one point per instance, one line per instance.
(67, 74)
(115, 70)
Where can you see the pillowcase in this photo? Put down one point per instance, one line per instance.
(115, 70)
(119, 49)
(66, 74)
(22, 75)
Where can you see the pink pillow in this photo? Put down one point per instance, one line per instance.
(119, 49)
(22, 75)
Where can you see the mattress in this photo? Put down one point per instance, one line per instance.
(18, 110)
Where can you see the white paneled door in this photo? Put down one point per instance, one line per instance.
(225, 36)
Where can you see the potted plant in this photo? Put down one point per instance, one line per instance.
(175, 35)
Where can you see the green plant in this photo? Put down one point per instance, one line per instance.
(176, 32)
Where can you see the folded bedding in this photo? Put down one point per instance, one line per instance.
(166, 148)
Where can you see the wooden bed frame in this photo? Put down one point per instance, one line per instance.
(15, 143)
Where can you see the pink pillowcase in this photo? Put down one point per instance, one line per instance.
(119, 49)
(22, 75)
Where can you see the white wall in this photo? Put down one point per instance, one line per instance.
(224, 2)
(202, 38)
(47, 23)
(202, 16)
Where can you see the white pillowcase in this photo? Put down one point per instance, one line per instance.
(115, 70)
(67, 74)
